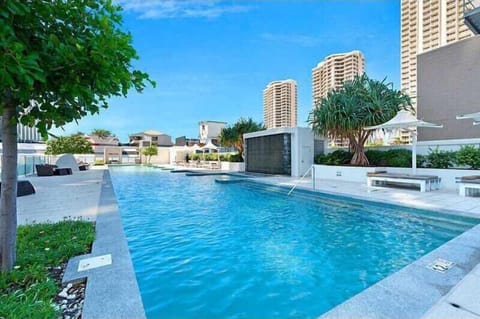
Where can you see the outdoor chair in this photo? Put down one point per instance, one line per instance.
(24, 188)
(45, 169)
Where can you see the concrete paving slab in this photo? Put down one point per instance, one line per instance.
(467, 294)
(61, 197)
(445, 310)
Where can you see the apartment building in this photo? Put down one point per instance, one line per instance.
(149, 138)
(334, 70)
(280, 104)
(426, 25)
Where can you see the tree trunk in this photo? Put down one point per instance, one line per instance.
(8, 198)
(359, 158)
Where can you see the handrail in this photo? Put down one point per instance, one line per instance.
(298, 182)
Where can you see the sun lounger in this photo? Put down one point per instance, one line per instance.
(50, 170)
(469, 185)
(426, 182)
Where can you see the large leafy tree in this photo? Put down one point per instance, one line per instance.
(59, 61)
(362, 102)
(232, 136)
(73, 144)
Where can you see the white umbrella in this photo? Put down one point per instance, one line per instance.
(406, 120)
(474, 116)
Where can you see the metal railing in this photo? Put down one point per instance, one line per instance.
(312, 169)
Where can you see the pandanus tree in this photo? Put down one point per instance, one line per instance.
(232, 136)
(362, 102)
(59, 61)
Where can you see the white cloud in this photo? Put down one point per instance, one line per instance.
(163, 9)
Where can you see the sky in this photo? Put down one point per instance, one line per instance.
(211, 59)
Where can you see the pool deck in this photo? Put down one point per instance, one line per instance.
(59, 197)
(415, 291)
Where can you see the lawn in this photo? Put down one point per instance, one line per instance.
(29, 290)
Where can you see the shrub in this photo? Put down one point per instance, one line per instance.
(338, 157)
(439, 159)
(232, 158)
(392, 158)
(469, 155)
(99, 162)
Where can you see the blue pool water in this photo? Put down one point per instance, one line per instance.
(206, 250)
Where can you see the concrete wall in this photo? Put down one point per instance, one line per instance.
(448, 80)
(302, 150)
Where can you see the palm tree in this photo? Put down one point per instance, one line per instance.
(232, 136)
(101, 133)
(362, 102)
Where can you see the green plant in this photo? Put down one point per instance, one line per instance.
(59, 61)
(337, 157)
(232, 157)
(149, 152)
(28, 290)
(99, 162)
(440, 159)
(390, 158)
(360, 103)
(469, 155)
(233, 135)
(73, 144)
(101, 133)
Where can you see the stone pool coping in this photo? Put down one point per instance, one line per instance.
(414, 290)
(112, 291)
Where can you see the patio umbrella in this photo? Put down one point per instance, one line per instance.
(474, 116)
(406, 120)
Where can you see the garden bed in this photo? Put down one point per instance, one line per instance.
(33, 289)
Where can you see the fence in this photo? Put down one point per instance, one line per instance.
(26, 163)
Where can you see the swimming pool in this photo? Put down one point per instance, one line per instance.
(206, 250)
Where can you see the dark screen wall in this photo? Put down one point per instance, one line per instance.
(448, 80)
(269, 154)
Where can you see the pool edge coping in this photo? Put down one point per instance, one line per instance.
(112, 291)
(414, 289)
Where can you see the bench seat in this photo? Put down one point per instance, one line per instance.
(426, 182)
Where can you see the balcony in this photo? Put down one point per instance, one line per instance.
(471, 15)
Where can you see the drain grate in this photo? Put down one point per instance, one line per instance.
(441, 265)
(94, 262)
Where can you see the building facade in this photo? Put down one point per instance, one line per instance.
(334, 70)
(149, 138)
(26, 134)
(440, 100)
(280, 104)
(427, 25)
(209, 131)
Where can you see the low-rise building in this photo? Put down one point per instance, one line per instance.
(149, 138)
(210, 131)
(184, 141)
(99, 144)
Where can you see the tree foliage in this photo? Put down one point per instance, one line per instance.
(232, 136)
(362, 102)
(59, 61)
(101, 133)
(73, 144)
(149, 152)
